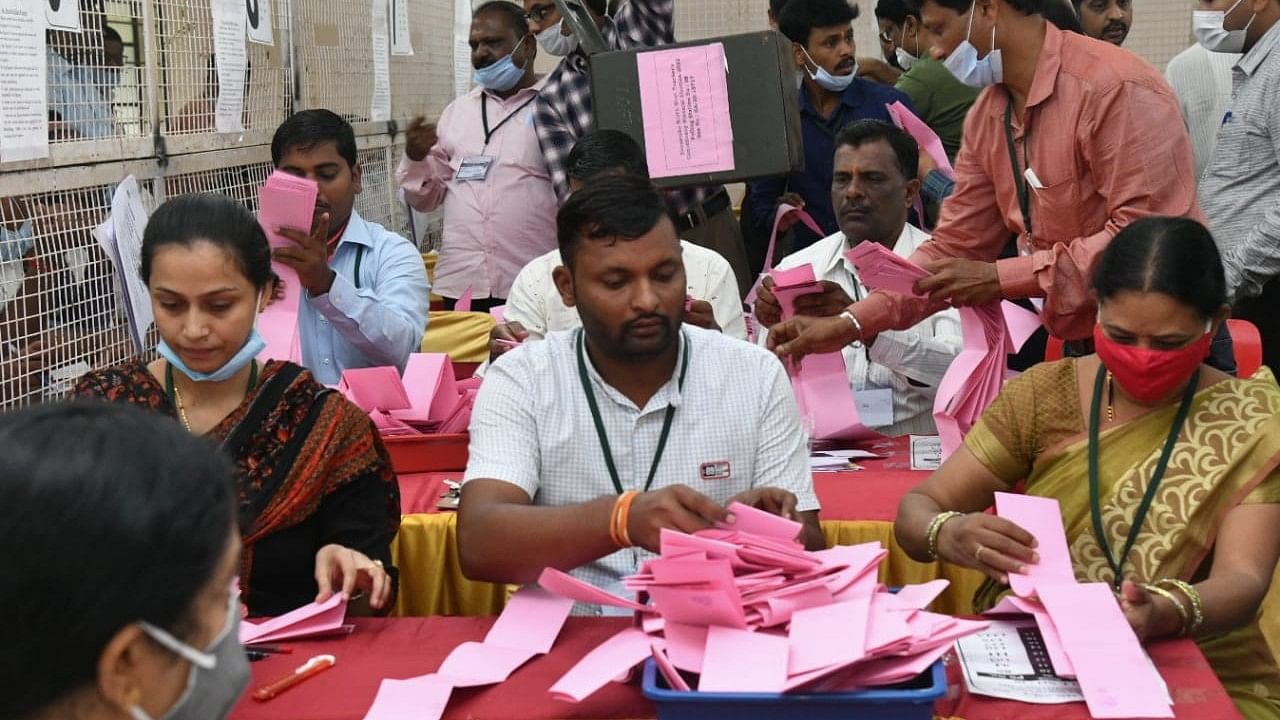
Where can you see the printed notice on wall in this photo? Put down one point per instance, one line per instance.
(400, 42)
(380, 105)
(684, 98)
(231, 58)
(24, 106)
(257, 15)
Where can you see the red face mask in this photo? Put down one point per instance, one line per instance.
(1147, 375)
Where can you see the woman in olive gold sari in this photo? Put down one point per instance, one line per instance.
(1170, 463)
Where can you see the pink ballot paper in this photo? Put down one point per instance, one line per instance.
(562, 583)
(684, 101)
(752, 520)
(923, 134)
(880, 268)
(431, 387)
(1041, 517)
(375, 388)
(420, 697)
(783, 211)
(1113, 672)
(310, 619)
(284, 201)
(603, 665)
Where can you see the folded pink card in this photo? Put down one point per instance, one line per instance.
(431, 387)
(472, 664)
(880, 268)
(309, 619)
(564, 584)
(284, 201)
(686, 645)
(745, 518)
(784, 210)
(828, 635)
(375, 388)
(421, 697)
(531, 620)
(669, 672)
(924, 135)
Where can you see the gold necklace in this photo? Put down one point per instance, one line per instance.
(182, 409)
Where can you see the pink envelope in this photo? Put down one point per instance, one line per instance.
(744, 661)
(307, 620)
(608, 661)
(828, 635)
(472, 664)
(375, 388)
(753, 520)
(1042, 517)
(562, 583)
(431, 387)
(531, 620)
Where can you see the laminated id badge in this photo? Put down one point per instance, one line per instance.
(475, 168)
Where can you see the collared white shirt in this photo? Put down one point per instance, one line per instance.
(372, 320)
(535, 303)
(912, 362)
(736, 418)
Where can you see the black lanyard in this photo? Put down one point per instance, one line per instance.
(599, 422)
(1024, 196)
(484, 116)
(1095, 506)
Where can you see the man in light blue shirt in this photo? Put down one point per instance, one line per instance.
(80, 84)
(365, 290)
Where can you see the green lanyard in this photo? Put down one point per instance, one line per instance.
(1095, 507)
(1024, 195)
(599, 422)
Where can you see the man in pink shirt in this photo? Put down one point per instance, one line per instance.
(1072, 140)
(483, 162)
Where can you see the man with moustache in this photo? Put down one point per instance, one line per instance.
(365, 291)
(821, 35)
(586, 445)
(1106, 20)
(484, 165)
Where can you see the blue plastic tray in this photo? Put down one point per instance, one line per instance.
(914, 702)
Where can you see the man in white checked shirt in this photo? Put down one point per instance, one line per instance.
(586, 445)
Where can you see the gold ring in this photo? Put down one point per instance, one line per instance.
(977, 554)
(378, 564)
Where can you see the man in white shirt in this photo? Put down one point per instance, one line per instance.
(634, 417)
(1202, 82)
(873, 188)
(534, 307)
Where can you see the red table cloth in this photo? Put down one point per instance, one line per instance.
(400, 648)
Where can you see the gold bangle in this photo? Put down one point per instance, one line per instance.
(1177, 604)
(1193, 595)
(935, 528)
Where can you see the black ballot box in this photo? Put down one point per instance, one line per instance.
(763, 106)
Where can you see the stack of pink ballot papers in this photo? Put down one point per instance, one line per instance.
(745, 608)
(284, 201)
(738, 608)
(427, 400)
(313, 620)
(1085, 632)
(991, 332)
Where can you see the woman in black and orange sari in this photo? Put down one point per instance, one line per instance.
(318, 501)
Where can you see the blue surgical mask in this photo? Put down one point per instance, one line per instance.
(968, 68)
(252, 347)
(502, 75)
(834, 83)
(15, 243)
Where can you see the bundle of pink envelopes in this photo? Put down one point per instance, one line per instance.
(428, 399)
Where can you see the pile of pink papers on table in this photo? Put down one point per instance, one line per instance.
(817, 621)
(1085, 632)
(428, 399)
(820, 382)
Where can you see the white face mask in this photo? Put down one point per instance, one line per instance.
(1207, 26)
(904, 58)
(834, 83)
(964, 63)
(556, 43)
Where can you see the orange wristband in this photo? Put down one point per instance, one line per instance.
(619, 517)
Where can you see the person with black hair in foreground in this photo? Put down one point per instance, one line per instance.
(318, 501)
(365, 291)
(685, 420)
(1164, 468)
(121, 604)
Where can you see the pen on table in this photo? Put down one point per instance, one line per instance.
(255, 655)
(271, 649)
(309, 669)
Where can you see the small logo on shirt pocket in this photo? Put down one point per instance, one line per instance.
(718, 470)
